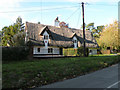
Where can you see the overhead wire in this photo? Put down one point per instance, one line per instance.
(72, 14)
(78, 18)
(38, 10)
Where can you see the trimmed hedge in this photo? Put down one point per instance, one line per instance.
(69, 52)
(14, 53)
(75, 52)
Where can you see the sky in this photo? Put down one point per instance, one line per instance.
(101, 12)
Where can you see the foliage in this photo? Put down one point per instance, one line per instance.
(34, 73)
(18, 39)
(14, 53)
(95, 31)
(80, 51)
(90, 26)
(20, 24)
(100, 28)
(96, 35)
(75, 52)
(69, 52)
(109, 36)
(9, 33)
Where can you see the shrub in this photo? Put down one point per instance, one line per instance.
(14, 53)
(69, 52)
(80, 51)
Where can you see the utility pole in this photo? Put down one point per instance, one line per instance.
(83, 30)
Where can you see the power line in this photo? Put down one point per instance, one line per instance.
(78, 19)
(72, 14)
(36, 10)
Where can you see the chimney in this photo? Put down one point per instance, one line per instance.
(57, 22)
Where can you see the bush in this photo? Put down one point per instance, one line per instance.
(69, 52)
(14, 53)
(80, 51)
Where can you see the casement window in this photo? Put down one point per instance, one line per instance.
(50, 50)
(38, 49)
(45, 37)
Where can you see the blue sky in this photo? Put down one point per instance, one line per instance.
(101, 12)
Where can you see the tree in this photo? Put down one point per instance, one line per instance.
(90, 26)
(109, 36)
(18, 39)
(9, 32)
(20, 24)
(100, 28)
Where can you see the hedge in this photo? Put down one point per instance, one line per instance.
(69, 52)
(14, 53)
(75, 52)
(80, 51)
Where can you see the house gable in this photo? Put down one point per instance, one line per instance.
(44, 29)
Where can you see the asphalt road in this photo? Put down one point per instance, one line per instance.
(105, 78)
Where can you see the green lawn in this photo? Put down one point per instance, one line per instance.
(29, 74)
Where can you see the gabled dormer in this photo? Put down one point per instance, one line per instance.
(45, 32)
(75, 41)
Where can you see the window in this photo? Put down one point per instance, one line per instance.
(90, 51)
(75, 41)
(50, 50)
(38, 49)
(46, 37)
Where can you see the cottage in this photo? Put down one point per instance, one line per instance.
(51, 40)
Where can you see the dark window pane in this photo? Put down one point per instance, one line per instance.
(38, 49)
(45, 36)
(50, 50)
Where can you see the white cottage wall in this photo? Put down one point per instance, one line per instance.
(44, 50)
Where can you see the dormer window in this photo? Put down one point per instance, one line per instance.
(75, 41)
(45, 37)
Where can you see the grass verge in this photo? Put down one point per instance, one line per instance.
(34, 73)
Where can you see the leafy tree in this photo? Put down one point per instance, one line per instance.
(18, 39)
(8, 33)
(100, 28)
(90, 26)
(109, 36)
(20, 24)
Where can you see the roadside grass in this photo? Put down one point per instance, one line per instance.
(34, 73)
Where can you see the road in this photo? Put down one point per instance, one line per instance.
(105, 78)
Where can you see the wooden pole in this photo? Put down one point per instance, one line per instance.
(83, 30)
